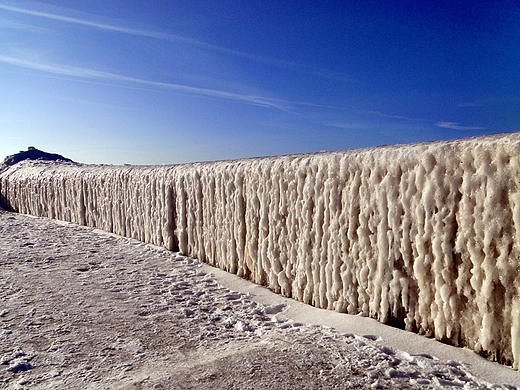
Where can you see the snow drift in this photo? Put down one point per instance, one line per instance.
(424, 236)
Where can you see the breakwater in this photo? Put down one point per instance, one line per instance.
(421, 236)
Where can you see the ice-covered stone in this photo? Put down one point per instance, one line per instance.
(34, 154)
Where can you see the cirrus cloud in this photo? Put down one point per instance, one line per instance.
(457, 126)
(83, 73)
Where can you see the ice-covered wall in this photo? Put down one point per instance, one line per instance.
(421, 236)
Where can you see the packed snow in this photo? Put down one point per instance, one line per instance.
(84, 309)
(424, 237)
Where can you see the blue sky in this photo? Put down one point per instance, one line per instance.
(160, 82)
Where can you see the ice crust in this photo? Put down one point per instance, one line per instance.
(421, 236)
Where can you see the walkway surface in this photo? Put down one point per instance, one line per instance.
(83, 309)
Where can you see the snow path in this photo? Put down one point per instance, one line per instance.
(81, 309)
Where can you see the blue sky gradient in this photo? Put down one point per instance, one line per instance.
(160, 82)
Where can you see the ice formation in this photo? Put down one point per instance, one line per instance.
(424, 236)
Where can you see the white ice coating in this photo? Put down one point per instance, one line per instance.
(423, 236)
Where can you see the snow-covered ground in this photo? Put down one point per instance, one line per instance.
(80, 309)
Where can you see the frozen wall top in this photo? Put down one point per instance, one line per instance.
(421, 236)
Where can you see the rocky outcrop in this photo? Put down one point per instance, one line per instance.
(33, 154)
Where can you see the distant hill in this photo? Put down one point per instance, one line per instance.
(33, 154)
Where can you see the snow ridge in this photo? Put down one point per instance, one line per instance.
(423, 236)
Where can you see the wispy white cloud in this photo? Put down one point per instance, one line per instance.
(457, 126)
(405, 118)
(84, 22)
(53, 68)
(83, 73)
(338, 76)
(348, 126)
(130, 31)
(443, 124)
